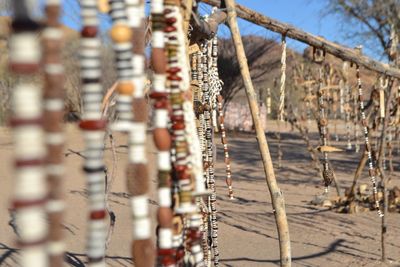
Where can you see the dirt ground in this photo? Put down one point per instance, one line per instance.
(247, 231)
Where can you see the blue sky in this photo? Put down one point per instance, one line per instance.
(307, 15)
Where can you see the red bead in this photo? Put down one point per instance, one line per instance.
(26, 163)
(158, 95)
(178, 126)
(161, 104)
(170, 20)
(174, 78)
(28, 203)
(15, 122)
(170, 29)
(177, 118)
(97, 215)
(180, 254)
(174, 70)
(180, 168)
(24, 68)
(93, 125)
(89, 31)
(166, 252)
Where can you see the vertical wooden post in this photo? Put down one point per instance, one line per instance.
(384, 178)
(278, 202)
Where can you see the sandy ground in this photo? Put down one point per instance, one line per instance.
(247, 232)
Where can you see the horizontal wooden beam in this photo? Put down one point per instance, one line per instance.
(345, 53)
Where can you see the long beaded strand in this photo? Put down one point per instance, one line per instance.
(181, 182)
(137, 171)
(93, 126)
(30, 184)
(226, 151)
(210, 155)
(197, 74)
(121, 35)
(327, 173)
(162, 138)
(364, 122)
(53, 117)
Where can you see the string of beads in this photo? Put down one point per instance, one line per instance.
(364, 122)
(30, 194)
(93, 127)
(53, 124)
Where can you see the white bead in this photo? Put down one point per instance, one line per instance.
(138, 133)
(26, 101)
(24, 48)
(31, 223)
(164, 160)
(55, 247)
(138, 63)
(54, 138)
(134, 16)
(89, 46)
(91, 73)
(139, 82)
(165, 238)
(55, 169)
(164, 197)
(90, 63)
(159, 82)
(157, 39)
(29, 142)
(137, 154)
(139, 205)
(157, 7)
(33, 256)
(55, 206)
(53, 104)
(161, 118)
(52, 33)
(141, 228)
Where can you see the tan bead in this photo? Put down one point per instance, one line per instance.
(164, 217)
(162, 139)
(125, 88)
(121, 33)
(143, 252)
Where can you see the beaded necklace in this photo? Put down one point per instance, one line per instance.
(93, 127)
(224, 142)
(368, 148)
(53, 117)
(327, 172)
(209, 148)
(162, 138)
(137, 170)
(121, 34)
(29, 150)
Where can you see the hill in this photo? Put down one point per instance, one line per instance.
(264, 60)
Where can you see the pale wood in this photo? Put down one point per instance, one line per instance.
(277, 198)
(187, 14)
(385, 178)
(345, 53)
(357, 174)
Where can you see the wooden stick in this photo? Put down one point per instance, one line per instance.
(384, 177)
(357, 174)
(337, 50)
(276, 194)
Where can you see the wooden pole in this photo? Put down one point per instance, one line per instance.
(384, 177)
(276, 194)
(290, 31)
(187, 13)
(357, 174)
